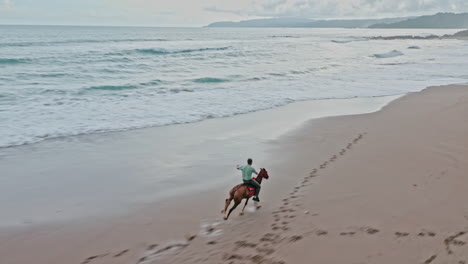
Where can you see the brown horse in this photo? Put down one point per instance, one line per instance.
(240, 192)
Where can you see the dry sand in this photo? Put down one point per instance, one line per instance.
(385, 187)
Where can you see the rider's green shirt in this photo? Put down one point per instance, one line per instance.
(247, 171)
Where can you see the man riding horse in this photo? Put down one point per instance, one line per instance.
(247, 171)
(245, 190)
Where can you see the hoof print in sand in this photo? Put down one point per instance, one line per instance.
(152, 247)
(371, 231)
(295, 238)
(270, 237)
(244, 244)
(121, 253)
(430, 259)
(426, 233)
(151, 253)
(452, 240)
(265, 250)
(401, 234)
(261, 259)
(88, 260)
(232, 257)
(321, 233)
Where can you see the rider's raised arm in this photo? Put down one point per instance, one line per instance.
(238, 167)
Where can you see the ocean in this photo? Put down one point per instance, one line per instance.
(58, 81)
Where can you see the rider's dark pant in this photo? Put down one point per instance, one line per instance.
(254, 184)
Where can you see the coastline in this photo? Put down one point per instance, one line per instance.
(149, 161)
(319, 215)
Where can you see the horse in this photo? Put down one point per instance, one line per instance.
(241, 191)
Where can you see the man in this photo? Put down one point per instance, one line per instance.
(247, 171)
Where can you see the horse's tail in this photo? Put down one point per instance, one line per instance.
(234, 190)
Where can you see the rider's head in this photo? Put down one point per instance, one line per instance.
(249, 161)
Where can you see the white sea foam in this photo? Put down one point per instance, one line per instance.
(70, 81)
(391, 54)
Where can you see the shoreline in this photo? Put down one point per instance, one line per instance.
(152, 151)
(159, 222)
(103, 133)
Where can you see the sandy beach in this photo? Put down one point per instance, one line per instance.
(386, 187)
(381, 187)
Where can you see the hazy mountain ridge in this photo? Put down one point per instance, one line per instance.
(267, 22)
(459, 35)
(306, 23)
(439, 20)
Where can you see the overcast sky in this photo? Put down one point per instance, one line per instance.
(202, 12)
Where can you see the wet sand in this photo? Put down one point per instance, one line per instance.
(89, 198)
(386, 187)
(383, 187)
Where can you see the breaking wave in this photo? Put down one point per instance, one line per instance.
(161, 51)
(391, 54)
(210, 80)
(13, 61)
(113, 87)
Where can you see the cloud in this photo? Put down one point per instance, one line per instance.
(202, 12)
(7, 4)
(343, 8)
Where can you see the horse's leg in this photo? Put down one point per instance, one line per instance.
(242, 212)
(228, 202)
(236, 203)
(258, 206)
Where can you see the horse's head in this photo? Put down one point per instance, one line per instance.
(264, 173)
